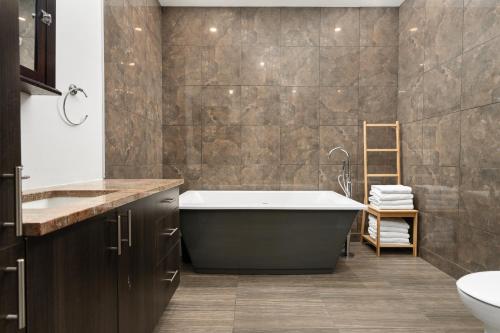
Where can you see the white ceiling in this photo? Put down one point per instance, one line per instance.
(281, 3)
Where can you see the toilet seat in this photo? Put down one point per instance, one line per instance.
(483, 286)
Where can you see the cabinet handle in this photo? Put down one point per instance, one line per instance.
(129, 217)
(119, 234)
(45, 17)
(168, 200)
(21, 294)
(170, 232)
(173, 276)
(18, 179)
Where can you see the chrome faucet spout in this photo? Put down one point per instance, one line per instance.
(344, 179)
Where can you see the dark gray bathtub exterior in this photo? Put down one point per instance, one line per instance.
(265, 241)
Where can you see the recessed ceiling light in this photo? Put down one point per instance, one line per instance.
(132, 64)
(338, 29)
(294, 91)
(22, 19)
(138, 29)
(213, 29)
(413, 29)
(231, 91)
(262, 64)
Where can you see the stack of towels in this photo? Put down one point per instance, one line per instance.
(392, 230)
(391, 197)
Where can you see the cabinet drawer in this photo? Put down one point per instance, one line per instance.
(167, 236)
(167, 279)
(9, 287)
(164, 203)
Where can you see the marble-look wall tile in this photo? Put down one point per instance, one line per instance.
(221, 26)
(182, 65)
(260, 105)
(377, 104)
(411, 100)
(378, 26)
(442, 89)
(378, 66)
(260, 65)
(478, 250)
(412, 143)
(480, 137)
(221, 177)
(334, 136)
(299, 66)
(481, 75)
(260, 177)
(221, 105)
(221, 145)
(479, 197)
(339, 66)
(481, 22)
(182, 144)
(339, 27)
(440, 140)
(191, 174)
(299, 145)
(339, 105)
(221, 65)
(299, 106)
(260, 144)
(133, 88)
(443, 31)
(260, 26)
(455, 177)
(182, 105)
(300, 26)
(182, 26)
(299, 177)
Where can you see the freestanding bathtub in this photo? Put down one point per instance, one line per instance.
(268, 232)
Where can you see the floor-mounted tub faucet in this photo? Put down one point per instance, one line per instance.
(345, 183)
(344, 179)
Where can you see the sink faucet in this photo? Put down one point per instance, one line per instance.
(344, 179)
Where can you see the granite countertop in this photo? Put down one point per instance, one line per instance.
(99, 197)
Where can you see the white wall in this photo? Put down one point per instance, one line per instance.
(54, 153)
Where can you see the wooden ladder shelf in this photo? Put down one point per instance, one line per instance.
(378, 213)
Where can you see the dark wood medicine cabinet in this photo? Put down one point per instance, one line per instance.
(37, 46)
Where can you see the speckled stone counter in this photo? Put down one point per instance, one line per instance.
(111, 193)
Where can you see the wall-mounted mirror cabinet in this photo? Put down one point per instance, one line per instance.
(37, 46)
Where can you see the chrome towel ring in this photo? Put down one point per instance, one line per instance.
(73, 90)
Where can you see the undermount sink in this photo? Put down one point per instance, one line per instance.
(55, 199)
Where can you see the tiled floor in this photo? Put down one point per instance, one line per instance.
(395, 293)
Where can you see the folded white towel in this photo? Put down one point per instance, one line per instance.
(391, 229)
(391, 196)
(389, 207)
(375, 200)
(392, 240)
(392, 189)
(388, 234)
(389, 222)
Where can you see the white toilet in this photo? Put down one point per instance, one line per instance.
(480, 293)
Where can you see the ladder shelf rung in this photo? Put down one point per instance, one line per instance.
(381, 125)
(381, 149)
(382, 175)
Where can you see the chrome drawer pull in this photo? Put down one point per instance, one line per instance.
(129, 216)
(168, 200)
(18, 178)
(173, 276)
(170, 233)
(21, 294)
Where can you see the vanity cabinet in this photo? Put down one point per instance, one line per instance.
(104, 274)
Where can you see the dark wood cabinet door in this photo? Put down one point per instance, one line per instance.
(72, 279)
(9, 287)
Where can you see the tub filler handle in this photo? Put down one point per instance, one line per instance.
(174, 274)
